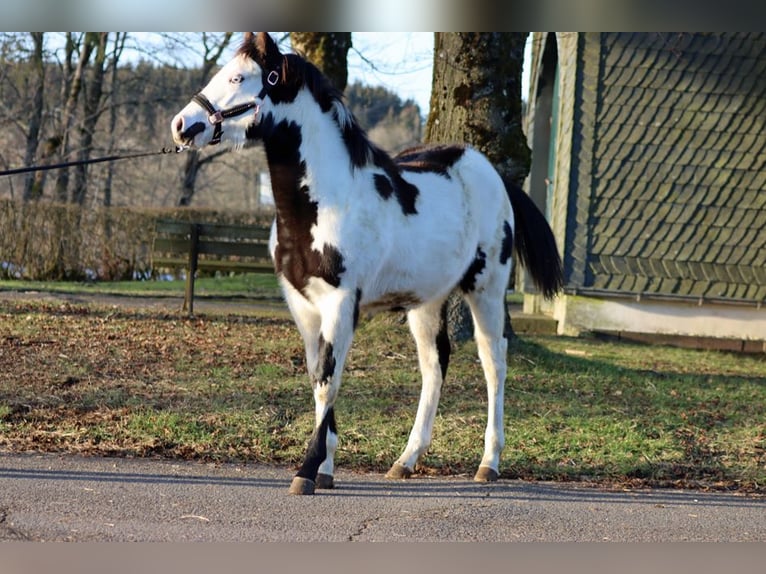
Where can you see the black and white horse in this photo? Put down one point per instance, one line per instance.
(359, 231)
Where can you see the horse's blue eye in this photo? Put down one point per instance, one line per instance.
(237, 79)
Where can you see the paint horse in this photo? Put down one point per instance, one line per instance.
(358, 231)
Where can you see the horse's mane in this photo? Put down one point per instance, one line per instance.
(297, 72)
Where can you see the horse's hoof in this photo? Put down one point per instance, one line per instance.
(325, 481)
(302, 485)
(486, 474)
(398, 472)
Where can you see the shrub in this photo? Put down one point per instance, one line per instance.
(51, 241)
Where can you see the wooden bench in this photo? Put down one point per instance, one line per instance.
(210, 247)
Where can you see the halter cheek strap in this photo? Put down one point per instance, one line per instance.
(216, 117)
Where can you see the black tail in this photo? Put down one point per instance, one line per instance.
(534, 243)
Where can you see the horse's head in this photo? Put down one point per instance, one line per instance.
(235, 99)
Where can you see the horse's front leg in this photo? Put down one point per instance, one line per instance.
(339, 312)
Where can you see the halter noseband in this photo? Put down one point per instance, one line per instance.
(216, 117)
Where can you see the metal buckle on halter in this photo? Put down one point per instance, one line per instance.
(215, 118)
(272, 78)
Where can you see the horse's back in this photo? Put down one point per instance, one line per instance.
(485, 198)
(461, 208)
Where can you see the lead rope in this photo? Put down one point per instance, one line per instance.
(29, 169)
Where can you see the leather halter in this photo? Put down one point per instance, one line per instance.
(216, 117)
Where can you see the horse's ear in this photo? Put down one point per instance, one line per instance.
(266, 49)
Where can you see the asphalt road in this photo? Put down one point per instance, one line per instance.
(71, 498)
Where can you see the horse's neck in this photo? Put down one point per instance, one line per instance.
(307, 154)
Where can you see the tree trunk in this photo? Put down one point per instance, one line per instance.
(328, 51)
(119, 46)
(49, 151)
(194, 162)
(31, 191)
(189, 181)
(476, 99)
(93, 89)
(73, 85)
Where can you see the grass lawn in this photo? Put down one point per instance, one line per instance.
(79, 378)
(230, 285)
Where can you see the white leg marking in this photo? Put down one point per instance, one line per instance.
(488, 317)
(425, 323)
(335, 338)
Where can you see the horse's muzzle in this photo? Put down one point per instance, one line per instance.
(185, 135)
(193, 130)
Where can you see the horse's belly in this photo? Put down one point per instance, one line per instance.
(407, 280)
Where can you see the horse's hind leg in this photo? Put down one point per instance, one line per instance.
(429, 327)
(488, 310)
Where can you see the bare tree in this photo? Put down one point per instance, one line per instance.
(93, 88)
(71, 87)
(37, 64)
(98, 99)
(22, 104)
(114, 85)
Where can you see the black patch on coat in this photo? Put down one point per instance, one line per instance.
(317, 449)
(430, 158)
(436, 159)
(442, 341)
(507, 248)
(392, 183)
(383, 185)
(360, 149)
(468, 282)
(325, 363)
(406, 195)
(394, 302)
(296, 212)
(329, 265)
(294, 72)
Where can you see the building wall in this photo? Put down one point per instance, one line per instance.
(566, 53)
(660, 176)
(577, 314)
(675, 164)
